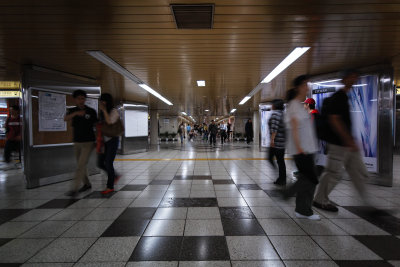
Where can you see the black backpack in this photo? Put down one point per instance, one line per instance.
(324, 130)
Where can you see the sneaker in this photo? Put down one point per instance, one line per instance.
(328, 207)
(85, 187)
(314, 217)
(107, 191)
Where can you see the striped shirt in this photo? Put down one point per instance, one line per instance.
(276, 125)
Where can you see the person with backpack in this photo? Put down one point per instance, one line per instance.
(342, 148)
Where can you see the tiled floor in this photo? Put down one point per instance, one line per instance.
(219, 210)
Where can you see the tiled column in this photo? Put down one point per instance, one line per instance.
(153, 127)
(256, 127)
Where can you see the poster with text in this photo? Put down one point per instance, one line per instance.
(364, 115)
(51, 112)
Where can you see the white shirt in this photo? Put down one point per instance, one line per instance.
(305, 129)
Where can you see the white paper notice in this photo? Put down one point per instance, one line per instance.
(51, 112)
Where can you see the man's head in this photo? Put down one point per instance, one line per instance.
(14, 111)
(309, 103)
(212, 122)
(249, 120)
(349, 77)
(79, 97)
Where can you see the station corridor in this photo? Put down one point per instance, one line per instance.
(193, 205)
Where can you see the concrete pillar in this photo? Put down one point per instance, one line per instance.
(256, 127)
(153, 127)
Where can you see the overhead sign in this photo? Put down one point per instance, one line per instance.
(10, 85)
(397, 90)
(10, 94)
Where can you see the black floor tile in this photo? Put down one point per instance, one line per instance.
(387, 247)
(380, 218)
(236, 213)
(131, 214)
(204, 248)
(223, 182)
(363, 264)
(157, 249)
(9, 214)
(183, 177)
(248, 187)
(58, 204)
(126, 228)
(202, 177)
(188, 202)
(4, 241)
(133, 187)
(242, 227)
(98, 194)
(160, 182)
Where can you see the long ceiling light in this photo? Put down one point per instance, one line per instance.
(296, 53)
(100, 56)
(244, 100)
(292, 57)
(201, 83)
(233, 110)
(184, 113)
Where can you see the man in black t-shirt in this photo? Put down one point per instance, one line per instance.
(83, 120)
(342, 148)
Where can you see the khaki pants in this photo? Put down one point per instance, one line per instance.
(82, 154)
(339, 157)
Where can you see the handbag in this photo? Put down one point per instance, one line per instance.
(113, 130)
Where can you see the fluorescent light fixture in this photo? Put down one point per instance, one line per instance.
(207, 110)
(151, 91)
(184, 113)
(233, 110)
(201, 83)
(244, 100)
(296, 53)
(100, 56)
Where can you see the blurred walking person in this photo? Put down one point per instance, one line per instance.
(277, 131)
(249, 131)
(109, 118)
(342, 148)
(213, 130)
(302, 144)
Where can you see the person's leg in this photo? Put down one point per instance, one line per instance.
(7, 151)
(100, 161)
(357, 171)
(306, 184)
(86, 150)
(280, 158)
(77, 177)
(332, 173)
(110, 153)
(271, 155)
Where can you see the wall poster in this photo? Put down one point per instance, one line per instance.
(265, 114)
(52, 109)
(364, 115)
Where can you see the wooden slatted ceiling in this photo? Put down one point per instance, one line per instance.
(248, 39)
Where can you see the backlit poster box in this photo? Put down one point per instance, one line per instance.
(364, 115)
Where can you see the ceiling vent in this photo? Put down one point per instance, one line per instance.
(193, 16)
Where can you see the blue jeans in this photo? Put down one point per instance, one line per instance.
(106, 160)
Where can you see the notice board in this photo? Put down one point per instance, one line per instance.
(45, 137)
